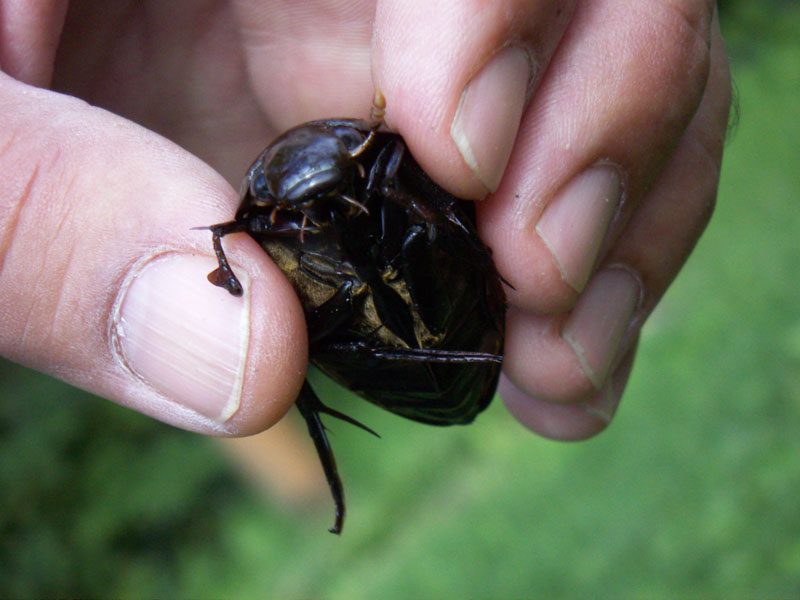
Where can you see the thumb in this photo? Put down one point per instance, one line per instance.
(103, 281)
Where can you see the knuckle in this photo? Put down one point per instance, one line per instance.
(26, 168)
(684, 30)
(664, 67)
(29, 287)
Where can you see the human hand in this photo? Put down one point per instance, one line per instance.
(103, 281)
(100, 267)
(612, 174)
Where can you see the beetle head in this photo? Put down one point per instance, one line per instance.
(305, 167)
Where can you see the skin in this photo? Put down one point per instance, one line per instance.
(116, 145)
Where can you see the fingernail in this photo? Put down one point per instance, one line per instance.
(183, 336)
(603, 406)
(576, 221)
(489, 113)
(596, 327)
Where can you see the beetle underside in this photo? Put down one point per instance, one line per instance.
(403, 303)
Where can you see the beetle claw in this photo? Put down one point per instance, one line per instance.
(223, 278)
(223, 275)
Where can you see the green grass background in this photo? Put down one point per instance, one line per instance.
(693, 491)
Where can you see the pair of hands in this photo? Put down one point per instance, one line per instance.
(596, 128)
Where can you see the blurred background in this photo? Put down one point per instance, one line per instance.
(693, 491)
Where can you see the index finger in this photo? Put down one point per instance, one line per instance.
(457, 76)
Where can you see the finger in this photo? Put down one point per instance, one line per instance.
(615, 101)
(587, 344)
(308, 60)
(457, 76)
(173, 67)
(29, 33)
(102, 280)
(569, 422)
(665, 228)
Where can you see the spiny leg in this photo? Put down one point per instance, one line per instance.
(363, 351)
(310, 407)
(223, 276)
(308, 403)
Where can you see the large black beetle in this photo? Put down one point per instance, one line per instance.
(403, 303)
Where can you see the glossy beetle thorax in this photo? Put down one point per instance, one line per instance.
(303, 166)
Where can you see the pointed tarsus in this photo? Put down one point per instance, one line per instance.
(310, 407)
(224, 276)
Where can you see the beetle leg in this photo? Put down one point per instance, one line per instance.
(310, 407)
(363, 145)
(223, 276)
(385, 166)
(261, 225)
(362, 172)
(410, 202)
(363, 351)
(308, 403)
(384, 170)
(331, 314)
(354, 203)
(324, 269)
(383, 173)
(327, 410)
(429, 297)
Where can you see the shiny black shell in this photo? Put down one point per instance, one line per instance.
(403, 303)
(421, 277)
(302, 166)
